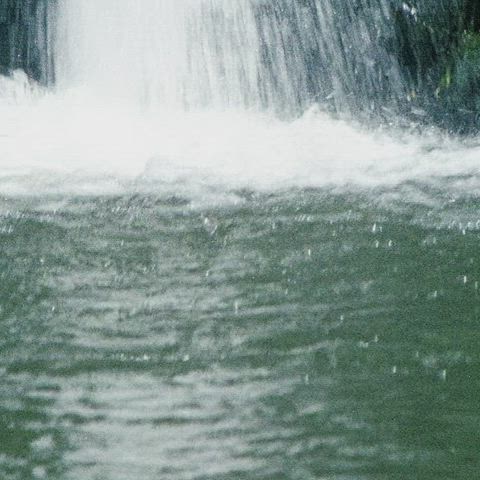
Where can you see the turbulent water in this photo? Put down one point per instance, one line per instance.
(301, 335)
(203, 275)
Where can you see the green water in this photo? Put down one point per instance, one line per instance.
(302, 335)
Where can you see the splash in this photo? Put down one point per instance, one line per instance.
(66, 144)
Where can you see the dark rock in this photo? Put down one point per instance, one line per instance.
(26, 38)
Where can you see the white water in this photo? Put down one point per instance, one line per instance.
(165, 94)
(167, 54)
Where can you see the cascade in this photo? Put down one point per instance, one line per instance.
(282, 55)
(277, 55)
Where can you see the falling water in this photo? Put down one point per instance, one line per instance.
(190, 54)
(222, 54)
(168, 54)
(281, 56)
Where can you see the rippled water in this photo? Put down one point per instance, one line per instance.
(306, 334)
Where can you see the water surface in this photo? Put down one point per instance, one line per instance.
(303, 334)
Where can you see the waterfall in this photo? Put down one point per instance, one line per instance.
(278, 55)
(168, 53)
(262, 54)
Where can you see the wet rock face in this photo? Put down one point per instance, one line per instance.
(26, 38)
